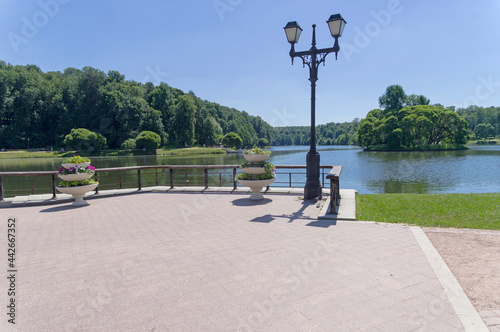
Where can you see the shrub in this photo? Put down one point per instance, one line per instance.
(84, 139)
(148, 140)
(128, 144)
(232, 140)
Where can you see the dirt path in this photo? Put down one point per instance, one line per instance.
(474, 258)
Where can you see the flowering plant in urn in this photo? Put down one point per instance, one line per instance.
(257, 172)
(76, 174)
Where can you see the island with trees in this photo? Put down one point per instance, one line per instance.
(411, 123)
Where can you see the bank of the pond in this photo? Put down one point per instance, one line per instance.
(479, 211)
(109, 153)
(430, 147)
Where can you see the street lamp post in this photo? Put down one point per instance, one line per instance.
(313, 58)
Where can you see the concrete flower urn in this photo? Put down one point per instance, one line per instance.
(78, 193)
(256, 187)
(258, 172)
(254, 170)
(255, 158)
(79, 190)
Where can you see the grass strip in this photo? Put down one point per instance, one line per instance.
(479, 211)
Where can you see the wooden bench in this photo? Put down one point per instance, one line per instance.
(334, 176)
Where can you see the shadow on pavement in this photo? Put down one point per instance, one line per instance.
(295, 216)
(63, 208)
(248, 202)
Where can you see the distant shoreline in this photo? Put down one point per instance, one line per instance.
(22, 154)
(452, 147)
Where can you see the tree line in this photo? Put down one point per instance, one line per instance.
(326, 134)
(44, 107)
(411, 122)
(484, 122)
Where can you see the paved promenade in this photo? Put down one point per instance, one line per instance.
(219, 262)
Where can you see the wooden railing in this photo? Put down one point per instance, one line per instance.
(172, 169)
(334, 177)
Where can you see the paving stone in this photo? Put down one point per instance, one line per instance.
(169, 261)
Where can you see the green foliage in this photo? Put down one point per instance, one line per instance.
(74, 170)
(414, 100)
(483, 131)
(232, 140)
(262, 142)
(327, 134)
(45, 107)
(128, 144)
(184, 120)
(76, 160)
(401, 127)
(393, 99)
(84, 139)
(76, 183)
(210, 131)
(148, 140)
(257, 150)
(269, 173)
(476, 116)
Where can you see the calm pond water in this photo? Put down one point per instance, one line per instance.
(471, 171)
(476, 170)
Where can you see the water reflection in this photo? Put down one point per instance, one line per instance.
(472, 171)
(430, 172)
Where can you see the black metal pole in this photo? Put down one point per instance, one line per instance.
(312, 188)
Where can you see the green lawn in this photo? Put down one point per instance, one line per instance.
(35, 154)
(481, 211)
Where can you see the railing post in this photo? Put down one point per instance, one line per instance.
(1, 189)
(205, 174)
(53, 186)
(120, 181)
(171, 178)
(220, 179)
(139, 179)
(32, 187)
(96, 188)
(234, 179)
(290, 179)
(156, 175)
(333, 204)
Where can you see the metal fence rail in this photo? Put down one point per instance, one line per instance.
(165, 175)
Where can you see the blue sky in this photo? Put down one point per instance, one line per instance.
(234, 52)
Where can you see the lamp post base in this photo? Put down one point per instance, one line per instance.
(312, 188)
